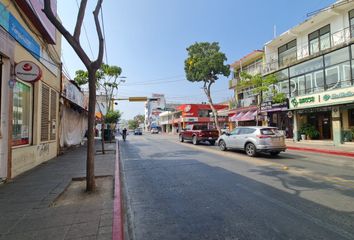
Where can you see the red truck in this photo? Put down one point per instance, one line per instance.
(197, 133)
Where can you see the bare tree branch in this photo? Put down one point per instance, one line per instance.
(98, 62)
(80, 19)
(76, 45)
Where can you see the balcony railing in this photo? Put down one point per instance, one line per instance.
(337, 38)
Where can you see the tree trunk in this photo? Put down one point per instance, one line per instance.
(90, 164)
(215, 113)
(102, 136)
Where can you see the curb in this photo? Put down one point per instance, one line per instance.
(317, 150)
(117, 231)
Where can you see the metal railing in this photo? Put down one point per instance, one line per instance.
(335, 39)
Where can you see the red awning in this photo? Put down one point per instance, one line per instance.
(236, 117)
(249, 116)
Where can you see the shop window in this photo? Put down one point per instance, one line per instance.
(319, 40)
(48, 114)
(204, 113)
(351, 117)
(306, 67)
(22, 114)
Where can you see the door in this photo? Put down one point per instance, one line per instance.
(325, 126)
(231, 140)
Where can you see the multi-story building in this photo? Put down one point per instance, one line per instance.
(30, 49)
(153, 108)
(243, 108)
(314, 63)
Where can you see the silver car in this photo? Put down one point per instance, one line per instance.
(253, 140)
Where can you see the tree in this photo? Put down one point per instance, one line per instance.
(92, 66)
(139, 118)
(262, 87)
(205, 63)
(107, 80)
(132, 124)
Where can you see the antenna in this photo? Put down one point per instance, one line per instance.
(275, 31)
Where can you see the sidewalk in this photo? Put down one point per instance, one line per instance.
(26, 204)
(326, 147)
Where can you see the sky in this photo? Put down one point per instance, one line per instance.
(148, 40)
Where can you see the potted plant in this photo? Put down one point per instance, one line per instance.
(312, 132)
(302, 132)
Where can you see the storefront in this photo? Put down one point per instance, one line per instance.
(278, 115)
(247, 116)
(201, 114)
(325, 116)
(30, 86)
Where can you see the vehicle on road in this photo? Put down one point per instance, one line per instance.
(198, 133)
(154, 131)
(253, 140)
(138, 131)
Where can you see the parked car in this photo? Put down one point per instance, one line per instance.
(198, 133)
(138, 131)
(254, 140)
(154, 131)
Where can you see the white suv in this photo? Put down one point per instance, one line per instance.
(253, 140)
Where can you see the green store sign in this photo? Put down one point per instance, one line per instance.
(297, 102)
(327, 97)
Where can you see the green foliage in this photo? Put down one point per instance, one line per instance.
(113, 116)
(139, 118)
(132, 124)
(257, 82)
(205, 62)
(309, 130)
(81, 77)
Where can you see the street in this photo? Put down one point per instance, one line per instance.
(177, 190)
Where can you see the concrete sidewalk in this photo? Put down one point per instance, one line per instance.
(28, 209)
(326, 147)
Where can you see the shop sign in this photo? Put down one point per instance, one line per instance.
(71, 92)
(322, 99)
(192, 119)
(28, 71)
(271, 106)
(10, 24)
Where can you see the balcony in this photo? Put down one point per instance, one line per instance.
(233, 83)
(303, 51)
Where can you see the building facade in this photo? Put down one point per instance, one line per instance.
(313, 62)
(153, 110)
(244, 107)
(30, 85)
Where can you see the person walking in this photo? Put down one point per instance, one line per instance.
(124, 134)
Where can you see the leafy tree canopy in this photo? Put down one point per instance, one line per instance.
(205, 62)
(113, 116)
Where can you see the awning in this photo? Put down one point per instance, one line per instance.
(237, 116)
(98, 115)
(249, 116)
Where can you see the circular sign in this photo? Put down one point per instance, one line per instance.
(290, 114)
(28, 71)
(187, 108)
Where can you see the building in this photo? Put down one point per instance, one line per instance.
(199, 114)
(73, 114)
(30, 85)
(314, 62)
(244, 107)
(153, 108)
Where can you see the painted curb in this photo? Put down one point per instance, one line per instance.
(117, 231)
(317, 150)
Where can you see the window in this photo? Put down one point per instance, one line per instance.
(48, 114)
(22, 114)
(287, 53)
(319, 39)
(351, 117)
(351, 22)
(337, 69)
(204, 113)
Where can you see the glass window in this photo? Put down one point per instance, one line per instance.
(319, 39)
(338, 76)
(203, 113)
(283, 87)
(287, 53)
(306, 67)
(351, 22)
(351, 117)
(281, 75)
(338, 56)
(22, 115)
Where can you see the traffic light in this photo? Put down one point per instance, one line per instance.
(137, 99)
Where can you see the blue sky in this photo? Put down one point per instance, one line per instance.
(148, 40)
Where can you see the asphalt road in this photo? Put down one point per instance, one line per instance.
(180, 191)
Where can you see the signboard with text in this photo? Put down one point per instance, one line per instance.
(323, 99)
